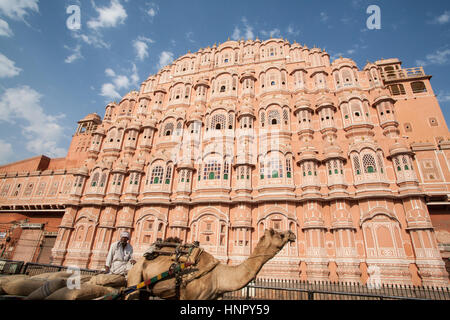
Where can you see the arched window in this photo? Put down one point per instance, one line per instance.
(357, 165)
(168, 129)
(263, 119)
(168, 174)
(274, 117)
(103, 180)
(157, 175)
(405, 163)
(212, 170)
(226, 170)
(95, 179)
(286, 116)
(230, 121)
(275, 169)
(369, 164)
(288, 168)
(218, 122)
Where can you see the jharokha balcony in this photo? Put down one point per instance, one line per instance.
(400, 74)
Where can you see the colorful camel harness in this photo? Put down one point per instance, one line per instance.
(176, 269)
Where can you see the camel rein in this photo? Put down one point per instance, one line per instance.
(159, 277)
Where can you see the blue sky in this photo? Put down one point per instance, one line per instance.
(51, 76)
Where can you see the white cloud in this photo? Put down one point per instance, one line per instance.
(291, 31)
(274, 33)
(118, 82)
(141, 47)
(5, 30)
(443, 96)
(6, 154)
(189, 36)
(236, 34)
(152, 9)
(109, 17)
(110, 72)
(8, 68)
(348, 52)
(42, 132)
(76, 54)
(248, 29)
(442, 19)
(323, 17)
(109, 91)
(92, 39)
(18, 9)
(246, 32)
(440, 57)
(165, 58)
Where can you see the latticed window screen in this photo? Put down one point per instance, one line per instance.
(369, 163)
(103, 180)
(380, 162)
(226, 171)
(230, 121)
(168, 129)
(261, 169)
(182, 175)
(405, 163)
(263, 118)
(397, 164)
(275, 169)
(335, 167)
(218, 122)
(212, 170)
(241, 173)
(357, 165)
(95, 179)
(285, 116)
(5, 190)
(283, 78)
(345, 111)
(274, 117)
(179, 128)
(157, 175)
(168, 174)
(288, 168)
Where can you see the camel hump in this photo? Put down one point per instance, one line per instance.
(204, 264)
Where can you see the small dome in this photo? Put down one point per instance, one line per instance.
(92, 117)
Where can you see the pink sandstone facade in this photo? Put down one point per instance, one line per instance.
(244, 136)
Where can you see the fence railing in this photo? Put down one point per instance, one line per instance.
(403, 74)
(8, 267)
(267, 289)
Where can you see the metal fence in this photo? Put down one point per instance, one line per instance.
(275, 289)
(267, 289)
(8, 267)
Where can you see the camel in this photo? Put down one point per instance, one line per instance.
(213, 283)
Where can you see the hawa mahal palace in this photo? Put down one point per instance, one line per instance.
(248, 135)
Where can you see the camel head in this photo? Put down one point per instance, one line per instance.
(274, 240)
